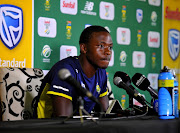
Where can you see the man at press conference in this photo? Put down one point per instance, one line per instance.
(58, 96)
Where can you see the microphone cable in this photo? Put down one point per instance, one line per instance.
(130, 117)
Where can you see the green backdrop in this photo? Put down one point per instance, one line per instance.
(51, 9)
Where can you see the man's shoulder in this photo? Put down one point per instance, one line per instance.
(71, 60)
(71, 63)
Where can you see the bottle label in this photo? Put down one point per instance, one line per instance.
(123, 100)
(166, 83)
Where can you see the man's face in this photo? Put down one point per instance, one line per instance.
(99, 49)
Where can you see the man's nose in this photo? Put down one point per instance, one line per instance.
(107, 50)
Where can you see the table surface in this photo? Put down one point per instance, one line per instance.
(148, 124)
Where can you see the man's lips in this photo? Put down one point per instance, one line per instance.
(105, 59)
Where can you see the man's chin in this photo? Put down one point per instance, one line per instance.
(104, 66)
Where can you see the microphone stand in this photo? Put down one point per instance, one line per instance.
(140, 110)
(130, 101)
(81, 111)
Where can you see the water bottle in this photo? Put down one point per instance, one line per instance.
(165, 94)
(175, 96)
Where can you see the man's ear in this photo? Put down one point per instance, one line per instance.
(83, 48)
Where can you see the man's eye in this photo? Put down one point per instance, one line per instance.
(101, 46)
(110, 48)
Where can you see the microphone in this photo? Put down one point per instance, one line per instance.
(126, 79)
(143, 83)
(65, 75)
(119, 82)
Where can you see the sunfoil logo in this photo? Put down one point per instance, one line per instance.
(11, 25)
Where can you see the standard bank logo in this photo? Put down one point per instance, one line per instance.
(173, 43)
(11, 25)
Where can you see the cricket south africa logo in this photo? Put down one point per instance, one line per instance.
(11, 25)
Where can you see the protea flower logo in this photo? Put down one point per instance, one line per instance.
(11, 25)
(46, 52)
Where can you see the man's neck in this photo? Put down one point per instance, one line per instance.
(88, 69)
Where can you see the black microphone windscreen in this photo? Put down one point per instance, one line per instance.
(125, 77)
(140, 81)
